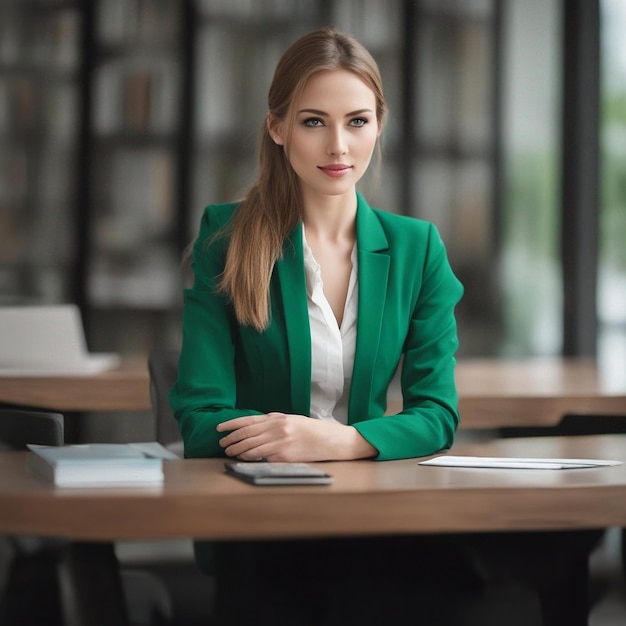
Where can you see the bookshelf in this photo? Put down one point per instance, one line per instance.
(136, 67)
(452, 152)
(238, 45)
(247, 39)
(39, 63)
(121, 119)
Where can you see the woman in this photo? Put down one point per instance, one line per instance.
(305, 299)
(304, 304)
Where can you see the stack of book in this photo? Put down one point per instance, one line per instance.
(100, 464)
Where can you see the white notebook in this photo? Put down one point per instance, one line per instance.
(100, 464)
(47, 339)
(516, 462)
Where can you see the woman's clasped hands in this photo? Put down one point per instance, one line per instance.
(281, 437)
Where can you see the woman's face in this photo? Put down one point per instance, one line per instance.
(334, 133)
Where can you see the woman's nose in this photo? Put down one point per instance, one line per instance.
(337, 143)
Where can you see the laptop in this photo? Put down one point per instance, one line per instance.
(40, 340)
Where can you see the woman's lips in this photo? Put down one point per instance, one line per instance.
(335, 171)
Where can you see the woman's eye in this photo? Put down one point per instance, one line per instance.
(358, 122)
(313, 122)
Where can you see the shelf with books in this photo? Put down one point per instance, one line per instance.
(39, 69)
(453, 97)
(150, 283)
(375, 24)
(458, 10)
(136, 137)
(37, 108)
(136, 96)
(453, 145)
(232, 80)
(134, 218)
(132, 23)
(121, 119)
(39, 34)
(238, 45)
(252, 13)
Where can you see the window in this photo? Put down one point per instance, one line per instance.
(530, 273)
(612, 247)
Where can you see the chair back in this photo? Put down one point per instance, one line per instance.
(163, 370)
(572, 424)
(19, 427)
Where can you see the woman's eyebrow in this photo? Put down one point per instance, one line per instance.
(325, 114)
(314, 112)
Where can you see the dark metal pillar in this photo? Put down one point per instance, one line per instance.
(580, 174)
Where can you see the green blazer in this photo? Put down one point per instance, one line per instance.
(406, 300)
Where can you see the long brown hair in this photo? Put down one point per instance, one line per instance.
(273, 206)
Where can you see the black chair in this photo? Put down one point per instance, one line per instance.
(19, 427)
(572, 425)
(163, 369)
(576, 425)
(192, 591)
(46, 580)
(31, 593)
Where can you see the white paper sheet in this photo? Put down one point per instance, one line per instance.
(516, 462)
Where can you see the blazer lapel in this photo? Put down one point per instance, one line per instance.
(294, 299)
(373, 276)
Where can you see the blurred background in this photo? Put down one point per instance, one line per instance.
(121, 119)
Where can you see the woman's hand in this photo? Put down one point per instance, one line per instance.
(292, 438)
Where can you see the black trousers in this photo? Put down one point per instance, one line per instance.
(520, 579)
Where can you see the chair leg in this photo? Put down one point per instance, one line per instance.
(31, 592)
(91, 587)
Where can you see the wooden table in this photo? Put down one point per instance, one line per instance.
(493, 392)
(496, 393)
(367, 498)
(124, 388)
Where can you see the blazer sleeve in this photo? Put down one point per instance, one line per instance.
(205, 391)
(430, 413)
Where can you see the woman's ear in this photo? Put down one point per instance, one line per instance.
(274, 128)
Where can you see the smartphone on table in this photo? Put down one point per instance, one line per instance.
(268, 473)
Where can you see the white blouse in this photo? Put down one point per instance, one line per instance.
(332, 347)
